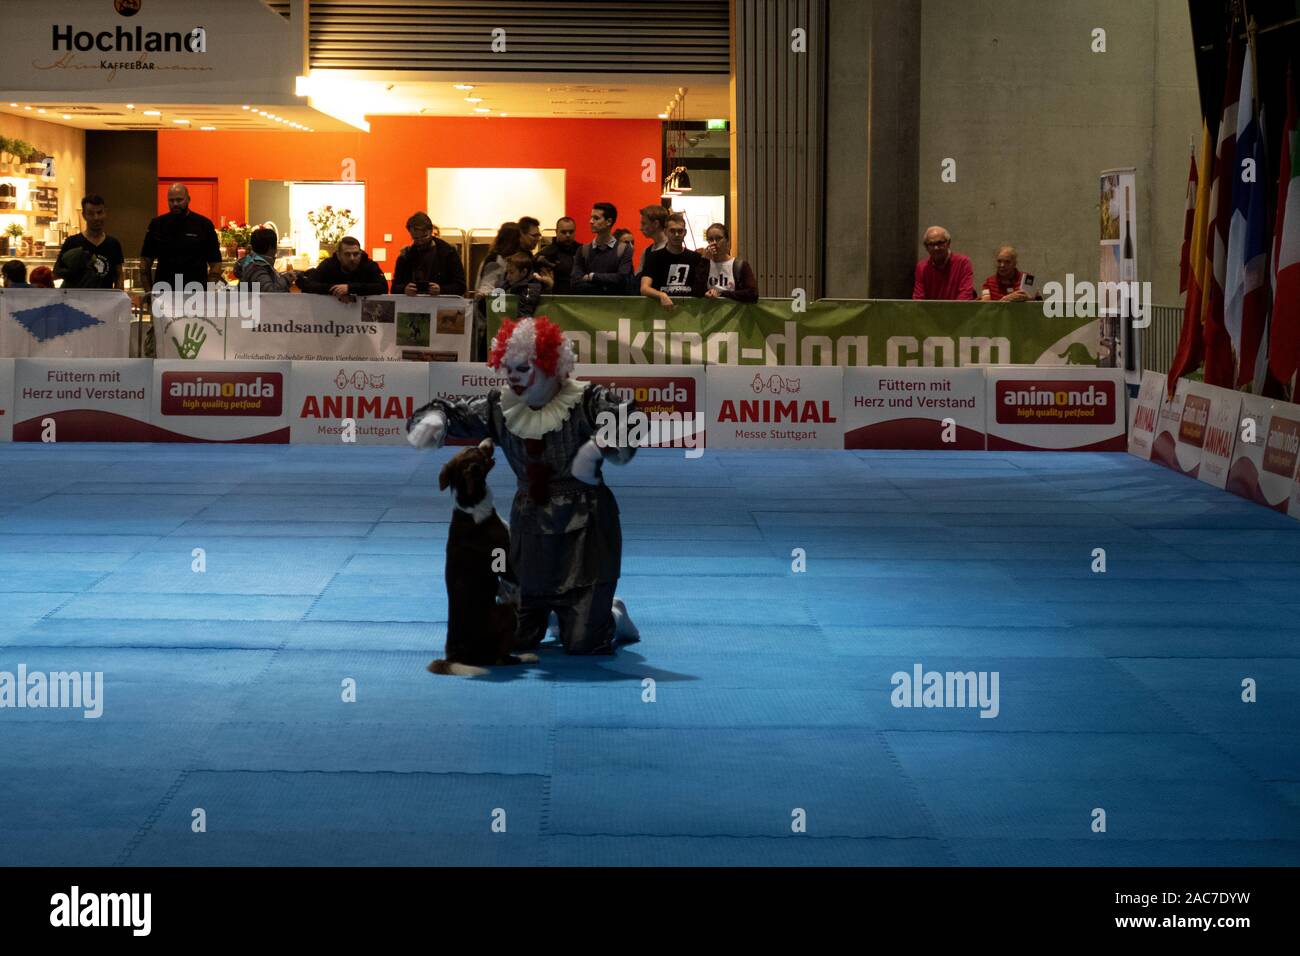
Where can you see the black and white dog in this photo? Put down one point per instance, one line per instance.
(480, 629)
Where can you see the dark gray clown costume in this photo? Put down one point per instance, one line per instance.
(566, 544)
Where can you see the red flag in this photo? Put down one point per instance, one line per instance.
(1189, 220)
(1284, 339)
(1219, 360)
(1191, 341)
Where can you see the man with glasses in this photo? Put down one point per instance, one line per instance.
(945, 274)
(428, 266)
(674, 270)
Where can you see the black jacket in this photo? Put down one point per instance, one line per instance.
(365, 279)
(438, 263)
(561, 262)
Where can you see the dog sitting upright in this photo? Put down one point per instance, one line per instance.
(480, 631)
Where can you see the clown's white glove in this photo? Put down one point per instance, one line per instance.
(428, 432)
(586, 463)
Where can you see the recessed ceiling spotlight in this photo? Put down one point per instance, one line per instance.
(13, 104)
(207, 128)
(181, 122)
(153, 112)
(246, 107)
(66, 116)
(27, 108)
(464, 86)
(503, 114)
(481, 109)
(663, 115)
(130, 106)
(473, 99)
(40, 111)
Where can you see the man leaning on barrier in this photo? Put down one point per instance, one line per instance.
(345, 275)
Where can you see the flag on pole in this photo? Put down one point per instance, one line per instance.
(1191, 341)
(1189, 221)
(1245, 289)
(1284, 341)
(1218, 344)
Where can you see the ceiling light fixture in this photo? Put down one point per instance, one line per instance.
(482, 109)
(473, 99)
(66, 116)
(464, 86)
(207, 128)
(153, 112)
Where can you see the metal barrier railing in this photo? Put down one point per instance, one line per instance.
(1159, 341)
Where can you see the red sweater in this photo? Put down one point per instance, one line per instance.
(955, 280)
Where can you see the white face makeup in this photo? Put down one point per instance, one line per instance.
(529, 382)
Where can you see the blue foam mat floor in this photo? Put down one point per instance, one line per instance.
(757, 723)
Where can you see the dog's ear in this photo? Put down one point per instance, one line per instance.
(444, 476)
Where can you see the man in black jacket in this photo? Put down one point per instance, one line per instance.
(428, 266)
(345, 275)
(559, 255)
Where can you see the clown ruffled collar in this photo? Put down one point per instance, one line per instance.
(528, 422)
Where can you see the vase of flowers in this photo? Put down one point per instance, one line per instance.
(330, 225)
(15, 234)
(234, 237)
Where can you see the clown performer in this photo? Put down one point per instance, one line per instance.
(565, 541)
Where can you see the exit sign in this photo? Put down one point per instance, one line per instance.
(717, 124)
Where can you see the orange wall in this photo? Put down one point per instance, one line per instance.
(602, 159)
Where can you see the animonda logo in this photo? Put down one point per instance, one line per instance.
(775, 384)
(74, 908)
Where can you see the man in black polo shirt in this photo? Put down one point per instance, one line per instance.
(91, 259)
(674, 270)
(428, 266)
(183, 243)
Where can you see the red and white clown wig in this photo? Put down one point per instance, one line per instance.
(538, 342)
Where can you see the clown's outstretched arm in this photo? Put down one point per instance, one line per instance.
(603, 406)
(431, 424)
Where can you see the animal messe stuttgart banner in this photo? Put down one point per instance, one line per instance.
(844, 332)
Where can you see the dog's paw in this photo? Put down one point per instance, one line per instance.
(528, 658)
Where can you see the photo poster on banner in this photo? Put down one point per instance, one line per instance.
(671, 399)
(774, 407)
(82, 400)
(1117, 206)
(1220, 437)
(432, 328)
(360, 403)
(1146, 414)
(1056, 409)
(1265, 452)
(942, 409)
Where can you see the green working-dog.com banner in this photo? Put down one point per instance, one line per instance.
(846, 332)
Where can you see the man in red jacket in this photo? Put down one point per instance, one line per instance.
(945, 274)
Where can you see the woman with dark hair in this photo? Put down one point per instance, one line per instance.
(729, 277)
(492, 274)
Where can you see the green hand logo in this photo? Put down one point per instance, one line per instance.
(195, 336)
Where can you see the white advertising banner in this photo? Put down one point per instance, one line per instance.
(289, 327)
(1168, 422)
(670, 397)
(82, 399)
(59, 323)
(6, 399)
(363, 403)
(915, 408)
(1264, 454)
(1220, 432)
(1055, 409)
(221, 401)
(1146, 413)
(769, 407)
(1198, 400)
